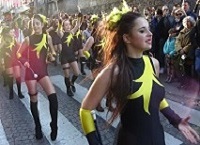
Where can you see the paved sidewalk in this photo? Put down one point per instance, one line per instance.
(186, 96)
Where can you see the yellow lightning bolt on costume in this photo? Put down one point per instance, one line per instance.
(147, 82)
(69, 39)
(39, 46)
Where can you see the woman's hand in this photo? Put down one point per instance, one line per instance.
(26, 64)
(189, 133)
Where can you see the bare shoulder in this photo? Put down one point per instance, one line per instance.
(156, 65)
(109, 71)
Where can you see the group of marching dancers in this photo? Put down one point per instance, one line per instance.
(31, 43)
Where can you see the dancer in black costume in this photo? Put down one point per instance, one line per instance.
(93, 47)
(32, 54)
(53, 32)
(9, 47)
(130, 80)
(68, 57)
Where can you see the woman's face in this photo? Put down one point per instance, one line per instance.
(141, 37)
(56, 22)
(37, 26)
(189, 24)
(178, 15)
(67, 26)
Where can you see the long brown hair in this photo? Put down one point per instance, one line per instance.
(115, 53)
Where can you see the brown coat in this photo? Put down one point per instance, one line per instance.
(183, 41)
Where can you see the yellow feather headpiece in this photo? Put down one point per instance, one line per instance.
(94, 18)
(44, 18)
(115, 15)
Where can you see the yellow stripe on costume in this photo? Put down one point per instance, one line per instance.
(163, 104)
(87, 121)
(147, 79)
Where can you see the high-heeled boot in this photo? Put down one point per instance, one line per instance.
(10, 85)
(18, 82)
(35, 114)
(53, 107)
(82, 63)
(68, 85)
(74, 78)
(5, 78)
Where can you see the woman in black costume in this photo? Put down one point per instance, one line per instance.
(32, 54)
(9, 47)
(93, 49)
(53, 32)
(130, 80)
(68, 57)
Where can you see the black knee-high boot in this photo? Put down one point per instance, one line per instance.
(10, 85)
(72, 83)
(53, 107)
(35, 114)
(5, 78)
(18, 82)
(82, 63)
(68, 85)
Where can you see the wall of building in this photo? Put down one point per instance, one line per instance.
(96, 6)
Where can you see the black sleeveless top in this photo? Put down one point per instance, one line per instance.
(140, 116)
(37, 52)
(67, 53)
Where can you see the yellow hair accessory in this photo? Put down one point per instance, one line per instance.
(44, 18)
(94, 18)
(114, 17)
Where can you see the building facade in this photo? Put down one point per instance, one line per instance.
(51, 7)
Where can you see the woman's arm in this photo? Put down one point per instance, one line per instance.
(87, 46)
(95, 94)
(181, 124)
(78, 24)
(51, 45)
(98, 90)
(60, 28)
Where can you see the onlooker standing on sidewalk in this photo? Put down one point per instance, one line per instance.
(166, 23)
(186, 6)
(169, 50)
(186, 48)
